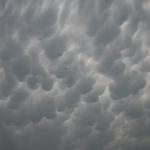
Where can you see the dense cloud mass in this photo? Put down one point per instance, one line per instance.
(74, 75)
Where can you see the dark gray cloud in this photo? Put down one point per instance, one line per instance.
(54, 47)
(130, 83)
(17, 97)
(74, 75)
(21, 67)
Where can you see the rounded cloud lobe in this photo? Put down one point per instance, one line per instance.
(74, 75)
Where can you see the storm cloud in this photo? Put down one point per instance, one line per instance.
(74, 75)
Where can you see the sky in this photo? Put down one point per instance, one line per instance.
(74, 75)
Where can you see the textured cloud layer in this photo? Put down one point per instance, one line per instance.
(74, 75)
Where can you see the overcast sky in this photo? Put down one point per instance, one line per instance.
(74, 75)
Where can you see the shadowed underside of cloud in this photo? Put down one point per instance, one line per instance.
(74, 75)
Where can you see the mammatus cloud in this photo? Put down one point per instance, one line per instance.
(74, 75)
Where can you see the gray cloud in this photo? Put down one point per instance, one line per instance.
(74, 75)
